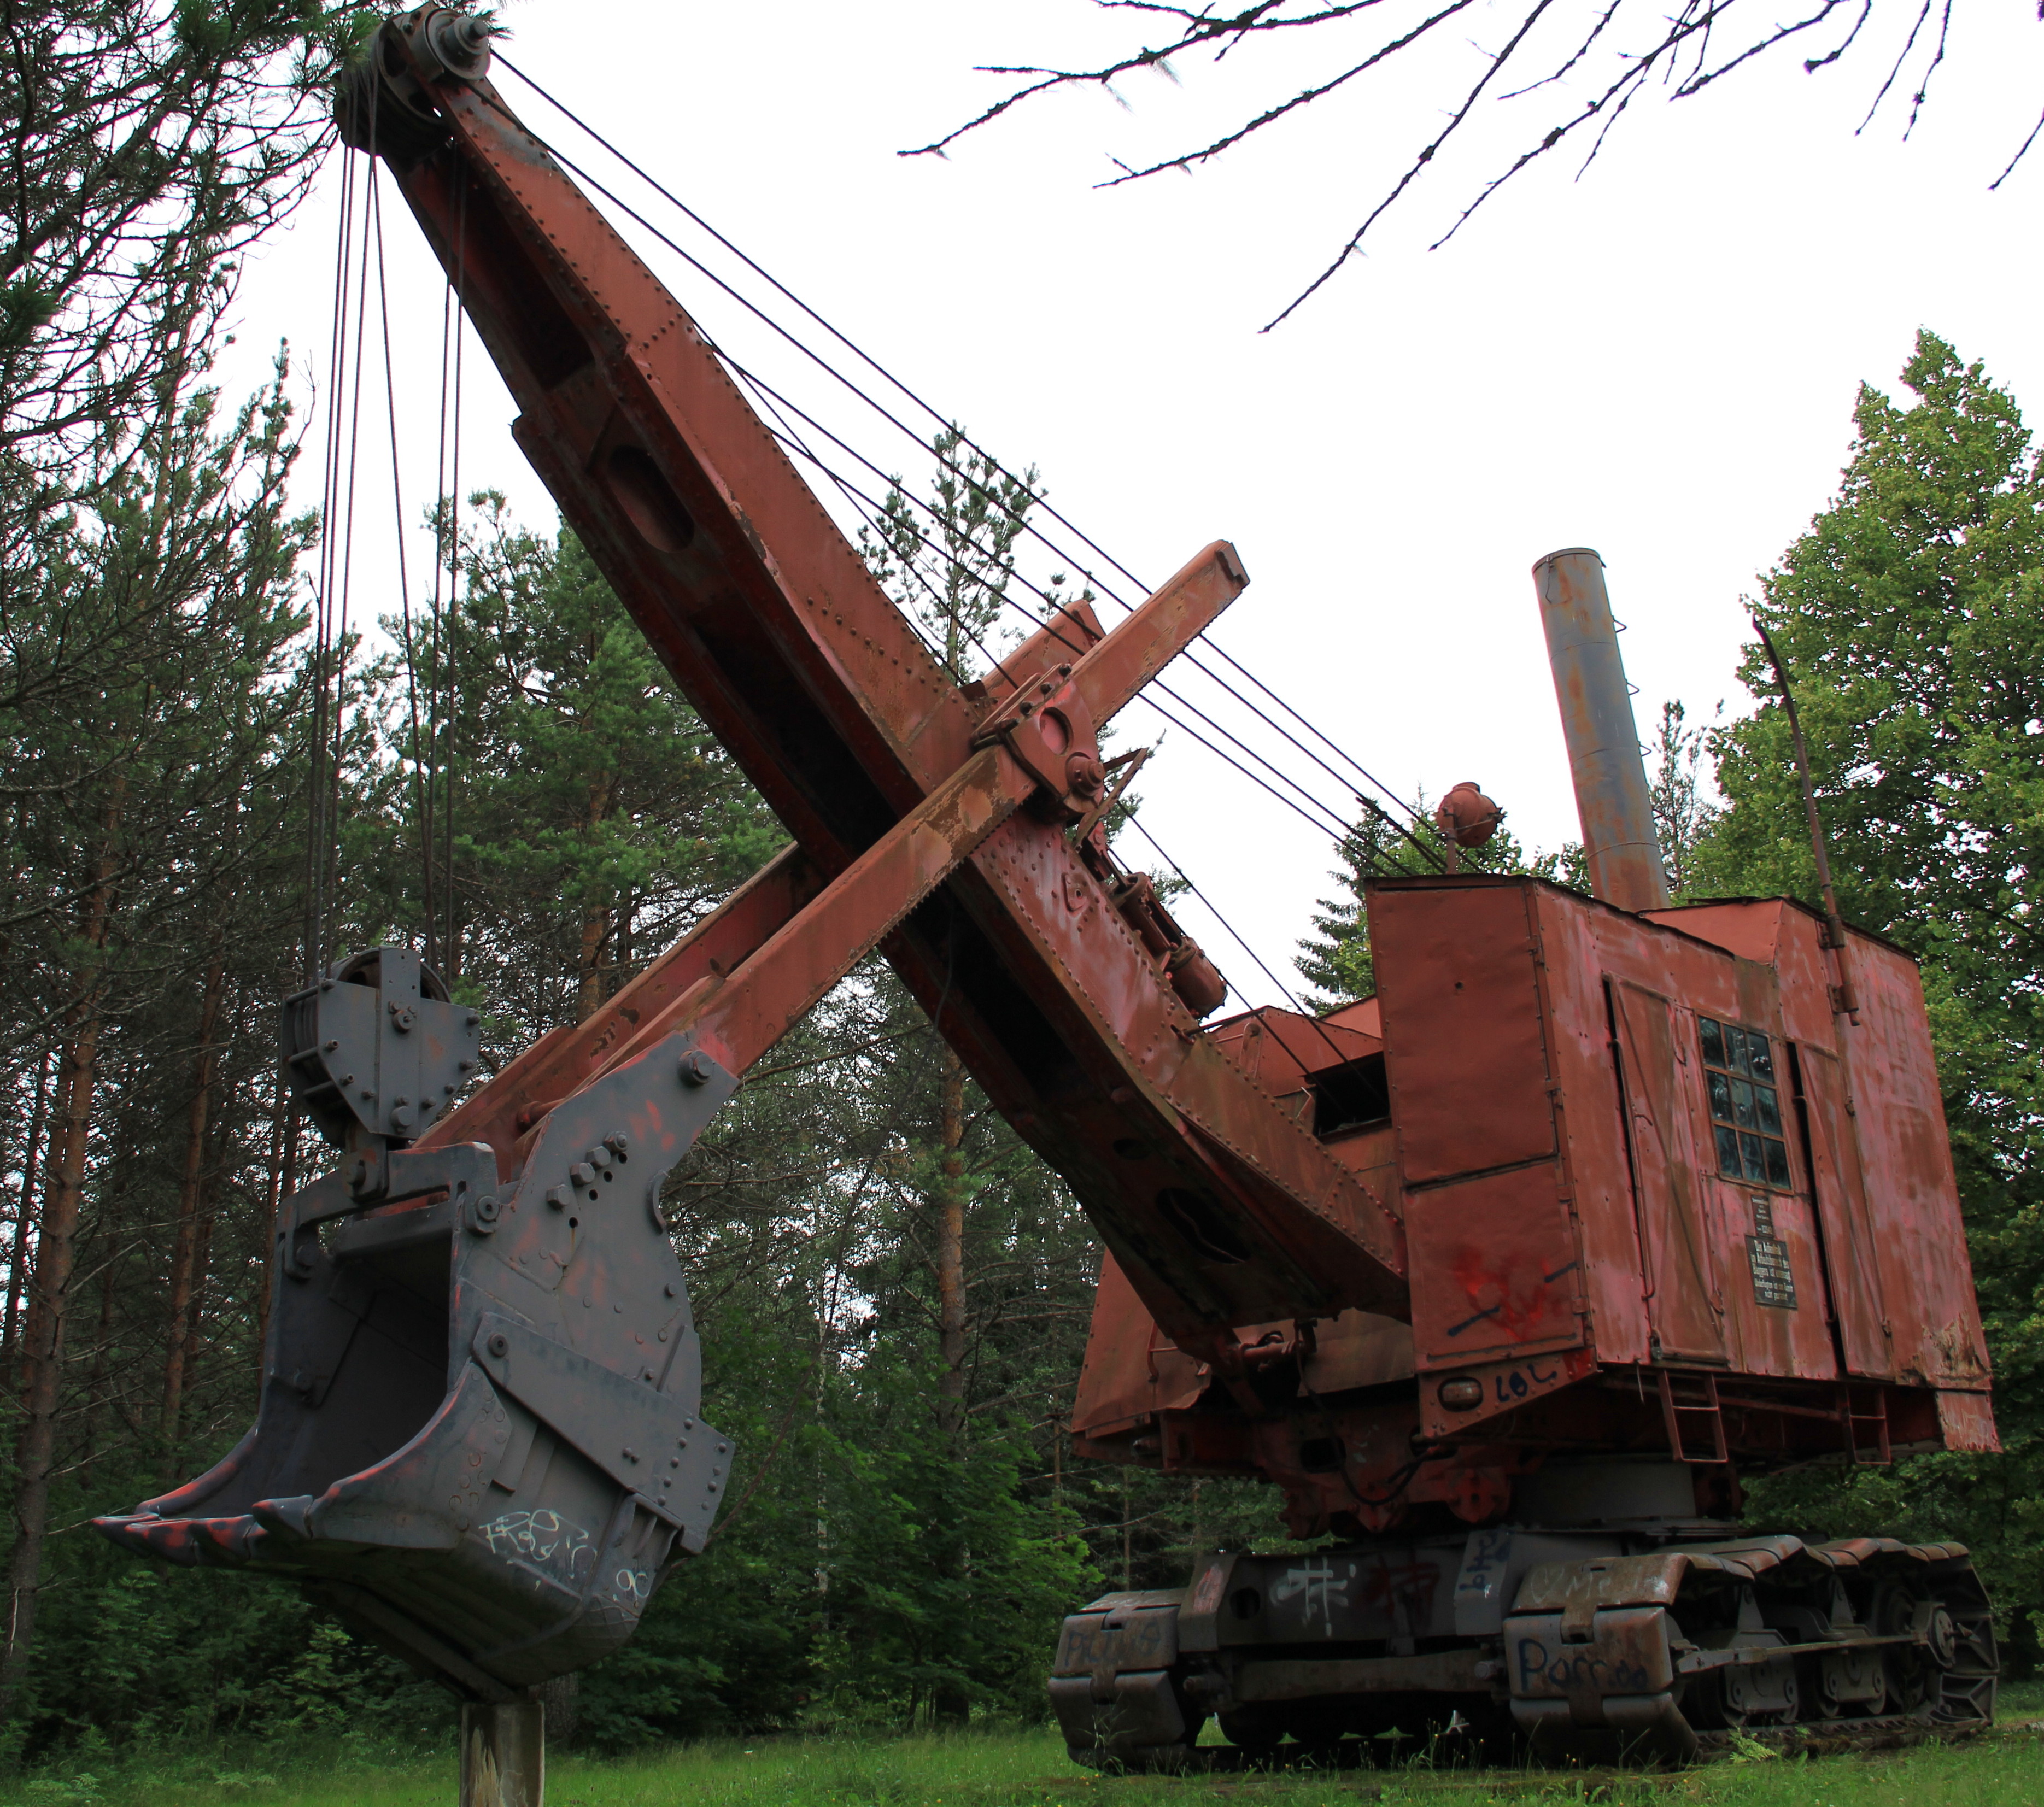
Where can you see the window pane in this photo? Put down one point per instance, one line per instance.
(1735, 1048)
(1756, 1162)
(1714, 1049)
(1767, 1109)
(1741, 1103)
(1728, 1161)
(1760, 1057)
(1720, 1096)
(1777, 1163)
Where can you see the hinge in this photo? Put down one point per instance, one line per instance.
(1047, 725)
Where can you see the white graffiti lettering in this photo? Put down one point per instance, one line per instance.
(1322, 1591)
(543, 1536)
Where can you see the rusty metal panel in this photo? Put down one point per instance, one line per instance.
(1887, 1202)
(1359, 1348)
(1626, 1653)
(1139, 1714)
(1685, 1300)
(1756, 1241)
(1966, 1419)
(1768, 1252)
(1121, 1638)
(1303, 1237)
(1898, 1117)
(1281, 1049)
(1494, 1266)
(1365, 1016)
(1466, 1059)
(1574, 936)
(1501, 1386)
(1130, 1369)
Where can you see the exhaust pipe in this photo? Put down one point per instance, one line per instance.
(1611, 799)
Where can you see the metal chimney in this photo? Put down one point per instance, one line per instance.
(1612, 797)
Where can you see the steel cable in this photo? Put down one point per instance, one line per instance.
(1327, 820)
(908, 432)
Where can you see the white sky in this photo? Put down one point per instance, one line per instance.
(1658, 360)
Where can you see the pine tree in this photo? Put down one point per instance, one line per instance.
(129, 781)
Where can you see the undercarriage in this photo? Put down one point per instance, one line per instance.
(1656, 1641)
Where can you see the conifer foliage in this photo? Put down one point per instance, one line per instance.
(1911, 616)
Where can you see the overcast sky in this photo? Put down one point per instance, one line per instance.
(1658, 360)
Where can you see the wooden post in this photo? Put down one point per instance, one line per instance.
(503, 1755)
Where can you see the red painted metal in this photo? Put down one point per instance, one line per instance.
(1583, 1272)
(1392, 1260)
(799, 662)
(1582, 1181)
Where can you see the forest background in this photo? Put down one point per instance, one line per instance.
(205, 790)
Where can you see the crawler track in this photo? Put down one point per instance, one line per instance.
(1669, 1655)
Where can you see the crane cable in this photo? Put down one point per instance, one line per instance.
(965, 476)
(1334, 822)
(334, 579)
(422, 802)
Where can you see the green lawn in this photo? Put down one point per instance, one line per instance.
(1029, 1769)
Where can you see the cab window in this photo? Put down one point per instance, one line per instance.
(1746, 1104)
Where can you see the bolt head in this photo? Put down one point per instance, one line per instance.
(499, 1344)
(695, 1068)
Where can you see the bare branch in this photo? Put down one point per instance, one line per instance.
(1677, 51)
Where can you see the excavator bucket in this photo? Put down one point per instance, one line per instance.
(479, 1439)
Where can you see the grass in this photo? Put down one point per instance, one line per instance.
(1029, 1769)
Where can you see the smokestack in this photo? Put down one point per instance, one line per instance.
(1611, 798)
